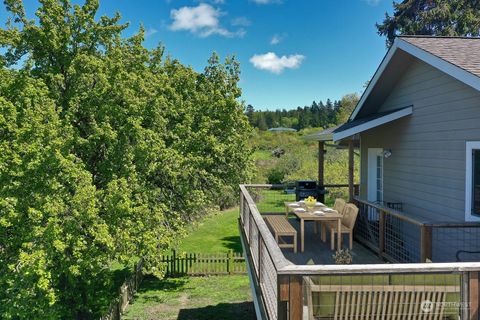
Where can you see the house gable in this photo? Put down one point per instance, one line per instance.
(426, 171)
(397, 60)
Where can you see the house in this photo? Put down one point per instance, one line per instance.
(417, 128)
(418, 124)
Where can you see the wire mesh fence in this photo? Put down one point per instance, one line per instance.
(384, 296)
(460, 243)
(264, 270)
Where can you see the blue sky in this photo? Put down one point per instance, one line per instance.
(291, 51)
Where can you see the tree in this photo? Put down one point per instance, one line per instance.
(54, 244)
(262, 123)
(250, 112)
(108, 150)
(346, 106)
(432, 17)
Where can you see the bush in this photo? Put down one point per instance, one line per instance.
(275, 176)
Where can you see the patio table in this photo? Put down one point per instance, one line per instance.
(308, 215)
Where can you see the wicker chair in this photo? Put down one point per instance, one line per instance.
(350, 213)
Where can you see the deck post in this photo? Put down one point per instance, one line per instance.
(283, 297)
(474, 295)
(426, 243)
(295, 302)
(381, 233)
(321, 169)
(351, 169)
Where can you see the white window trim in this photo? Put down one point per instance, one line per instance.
(470, 146)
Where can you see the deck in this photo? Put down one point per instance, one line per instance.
(308, 285)
(318, 252)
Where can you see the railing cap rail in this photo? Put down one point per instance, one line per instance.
(397, 268)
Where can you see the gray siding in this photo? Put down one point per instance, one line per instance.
(427, 168)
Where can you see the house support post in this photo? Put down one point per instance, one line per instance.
(351, 169)
(321, 168)
(426, 243)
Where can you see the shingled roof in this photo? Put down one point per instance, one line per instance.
(460, 51)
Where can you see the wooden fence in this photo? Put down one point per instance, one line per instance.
(200, 264)
(126, 292)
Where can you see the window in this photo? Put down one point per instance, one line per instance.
(472, 185)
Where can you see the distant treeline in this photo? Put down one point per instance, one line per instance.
(318, 114)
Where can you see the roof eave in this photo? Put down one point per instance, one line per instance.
(337, 136)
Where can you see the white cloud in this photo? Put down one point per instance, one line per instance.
(203, 20)
(276, 39)
(373, 3)
(241, 21)
(150, 32)
(275, 64)
(265, 1)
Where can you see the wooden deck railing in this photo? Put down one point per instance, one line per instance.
(280, 285)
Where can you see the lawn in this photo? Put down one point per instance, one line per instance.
(215, 234)
(219, 297)
(215, 297)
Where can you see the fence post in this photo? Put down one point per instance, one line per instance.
(174, 259)
(381, 233)
(426, 243)
(229, 261)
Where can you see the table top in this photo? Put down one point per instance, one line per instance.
(308, 215)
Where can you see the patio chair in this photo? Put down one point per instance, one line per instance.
(339, 206)
(350, 213)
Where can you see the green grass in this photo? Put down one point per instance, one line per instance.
(262, 155)
(216, 297)
(222, 297)
(215, 234)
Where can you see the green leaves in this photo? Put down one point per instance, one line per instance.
(107, 151)
(427, 17)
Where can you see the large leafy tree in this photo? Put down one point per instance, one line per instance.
(432, 17)
(124, 148)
